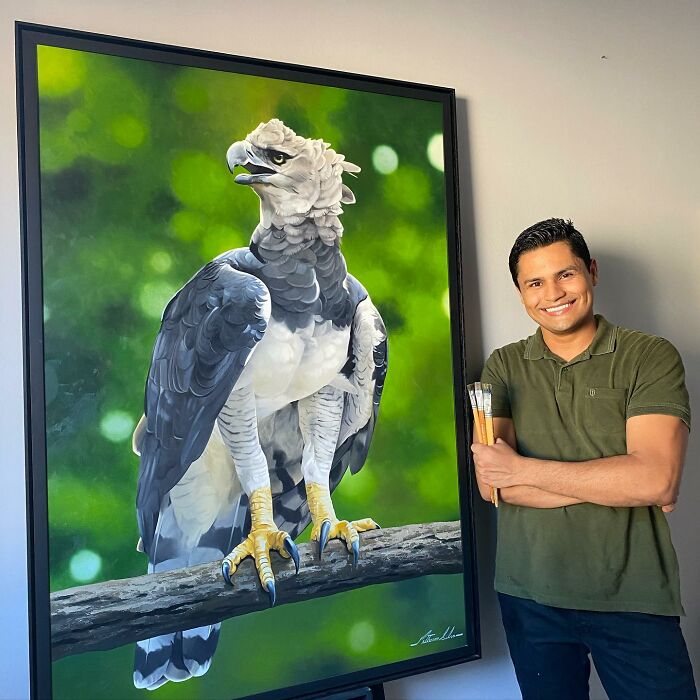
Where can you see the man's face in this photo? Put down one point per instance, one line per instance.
(556, 288)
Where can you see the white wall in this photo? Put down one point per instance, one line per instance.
(547, 128)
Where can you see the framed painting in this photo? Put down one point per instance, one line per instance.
(243, 323)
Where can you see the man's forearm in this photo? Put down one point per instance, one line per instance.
(535, 498)
(622, 480)
(528, 496)
(649, 474)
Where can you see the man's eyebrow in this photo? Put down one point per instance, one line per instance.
(556, 274)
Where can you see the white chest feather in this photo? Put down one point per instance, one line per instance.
(289, 365)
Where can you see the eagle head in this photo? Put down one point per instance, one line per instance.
(293, 176)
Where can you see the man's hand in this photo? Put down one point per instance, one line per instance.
(504, 430)
(498, 465)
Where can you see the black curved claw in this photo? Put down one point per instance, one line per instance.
(271, 591)
(226, 571)
(293, 552)
(323, 537)
(355, 552)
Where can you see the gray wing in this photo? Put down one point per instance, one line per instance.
(370, 361)
(366, 370)
(208, 332)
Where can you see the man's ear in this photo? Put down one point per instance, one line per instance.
(594, 272)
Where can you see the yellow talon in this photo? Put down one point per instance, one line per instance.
(263, 537)
(322, 511)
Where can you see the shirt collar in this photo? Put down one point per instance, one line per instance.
(603, 342)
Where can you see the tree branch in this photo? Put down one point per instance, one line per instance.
(107, 615)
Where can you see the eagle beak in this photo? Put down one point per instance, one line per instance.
(237, 154)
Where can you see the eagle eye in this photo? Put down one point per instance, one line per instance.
(279, 158)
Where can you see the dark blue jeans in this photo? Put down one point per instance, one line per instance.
(637, 656)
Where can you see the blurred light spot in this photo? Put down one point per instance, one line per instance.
(406, 242)
(187, 224)
(59, 152)
(128, 131)
(201, 182)
(436, 486)
(436, 152)
(446, 302)
(154, 296)
(385, 160)
(408, 189)
(78, 121)
(116, 426)
(190, 95)
(60, 71)
(361, 636)
(47, 313)
(85, 565)
(161, 261)
(219, 238)
(361, 487)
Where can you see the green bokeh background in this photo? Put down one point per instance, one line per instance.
(136, 196)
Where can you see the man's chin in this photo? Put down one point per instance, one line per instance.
(564, 325)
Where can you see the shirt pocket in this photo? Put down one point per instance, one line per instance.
(605, 409)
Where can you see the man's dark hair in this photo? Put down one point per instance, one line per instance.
(545, 233)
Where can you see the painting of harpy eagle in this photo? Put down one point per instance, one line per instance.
(262, 392)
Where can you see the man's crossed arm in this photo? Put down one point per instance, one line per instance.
(649, 474)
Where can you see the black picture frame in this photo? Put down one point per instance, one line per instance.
(28, 37)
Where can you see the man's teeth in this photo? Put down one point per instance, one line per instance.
(554, 309)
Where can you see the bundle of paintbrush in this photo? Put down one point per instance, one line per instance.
(480, 398)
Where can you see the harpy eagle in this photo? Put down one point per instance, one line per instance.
(263, 389)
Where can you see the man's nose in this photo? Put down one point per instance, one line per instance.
(553, 291)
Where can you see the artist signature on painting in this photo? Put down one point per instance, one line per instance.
(429, 637)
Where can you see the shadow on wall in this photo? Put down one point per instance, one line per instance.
(627, 295)
(624, 294)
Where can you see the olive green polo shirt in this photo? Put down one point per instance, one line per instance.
(587, 556)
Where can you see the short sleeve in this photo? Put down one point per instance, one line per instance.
(660, 384)
(494, 374)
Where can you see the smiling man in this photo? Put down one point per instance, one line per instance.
(592, 422)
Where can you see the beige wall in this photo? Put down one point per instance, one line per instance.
(547, 127)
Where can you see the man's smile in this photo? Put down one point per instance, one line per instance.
(560, 309)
